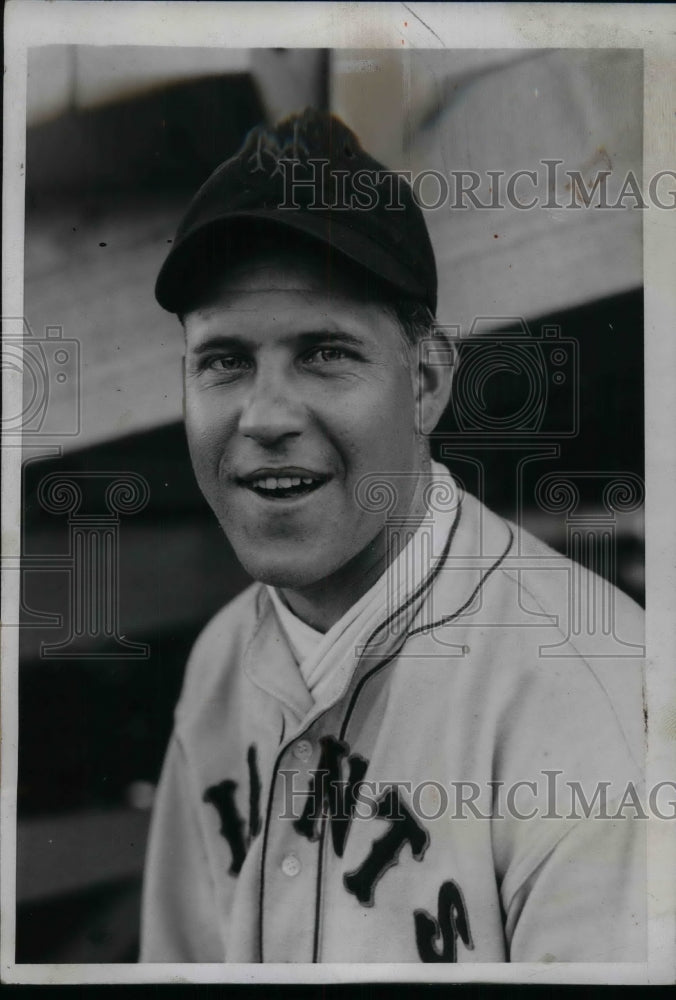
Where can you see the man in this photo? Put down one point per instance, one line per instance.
(375, 742)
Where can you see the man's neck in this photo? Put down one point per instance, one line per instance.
(325, 603)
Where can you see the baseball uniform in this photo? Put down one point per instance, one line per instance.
(454, 776)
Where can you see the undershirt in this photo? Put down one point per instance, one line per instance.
(304, 640)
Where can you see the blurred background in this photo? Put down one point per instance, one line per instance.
(118, 139)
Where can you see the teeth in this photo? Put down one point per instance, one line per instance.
(281, 482)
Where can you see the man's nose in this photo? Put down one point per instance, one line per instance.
(271, 411)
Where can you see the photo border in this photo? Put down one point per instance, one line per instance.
(650, 27)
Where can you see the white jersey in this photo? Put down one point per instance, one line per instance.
(462, 792)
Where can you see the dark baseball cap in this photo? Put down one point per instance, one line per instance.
(308, 174)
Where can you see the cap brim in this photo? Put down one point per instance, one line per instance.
(199, 252)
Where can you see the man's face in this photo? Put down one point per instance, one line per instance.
(295, 389)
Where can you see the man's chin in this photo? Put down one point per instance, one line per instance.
(286, 573)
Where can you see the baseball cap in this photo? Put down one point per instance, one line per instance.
(308, 174)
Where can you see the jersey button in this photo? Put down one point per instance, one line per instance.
(302, 750)
(291, 865)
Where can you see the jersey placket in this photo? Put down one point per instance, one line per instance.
(291, 863)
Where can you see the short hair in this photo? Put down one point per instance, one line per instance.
(415, 318)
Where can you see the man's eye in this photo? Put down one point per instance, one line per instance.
(327, 354)
(228, 363)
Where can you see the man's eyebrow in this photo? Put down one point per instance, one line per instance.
(303, 338)
(220, 340)
(312, 336)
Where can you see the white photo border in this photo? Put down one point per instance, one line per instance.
(650, 27)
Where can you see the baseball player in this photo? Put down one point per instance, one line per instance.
(407, 741)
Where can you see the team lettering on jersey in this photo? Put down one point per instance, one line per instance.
(333, 795)
(452, 923)
(222, 797)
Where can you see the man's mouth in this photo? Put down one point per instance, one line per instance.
(283, 484)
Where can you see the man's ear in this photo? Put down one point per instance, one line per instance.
(436, 363)
(180, 319)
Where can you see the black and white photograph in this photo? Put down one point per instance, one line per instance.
(338, 474)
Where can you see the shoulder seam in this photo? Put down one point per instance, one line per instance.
(583, 659)
(179, 710)
(192, 783)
